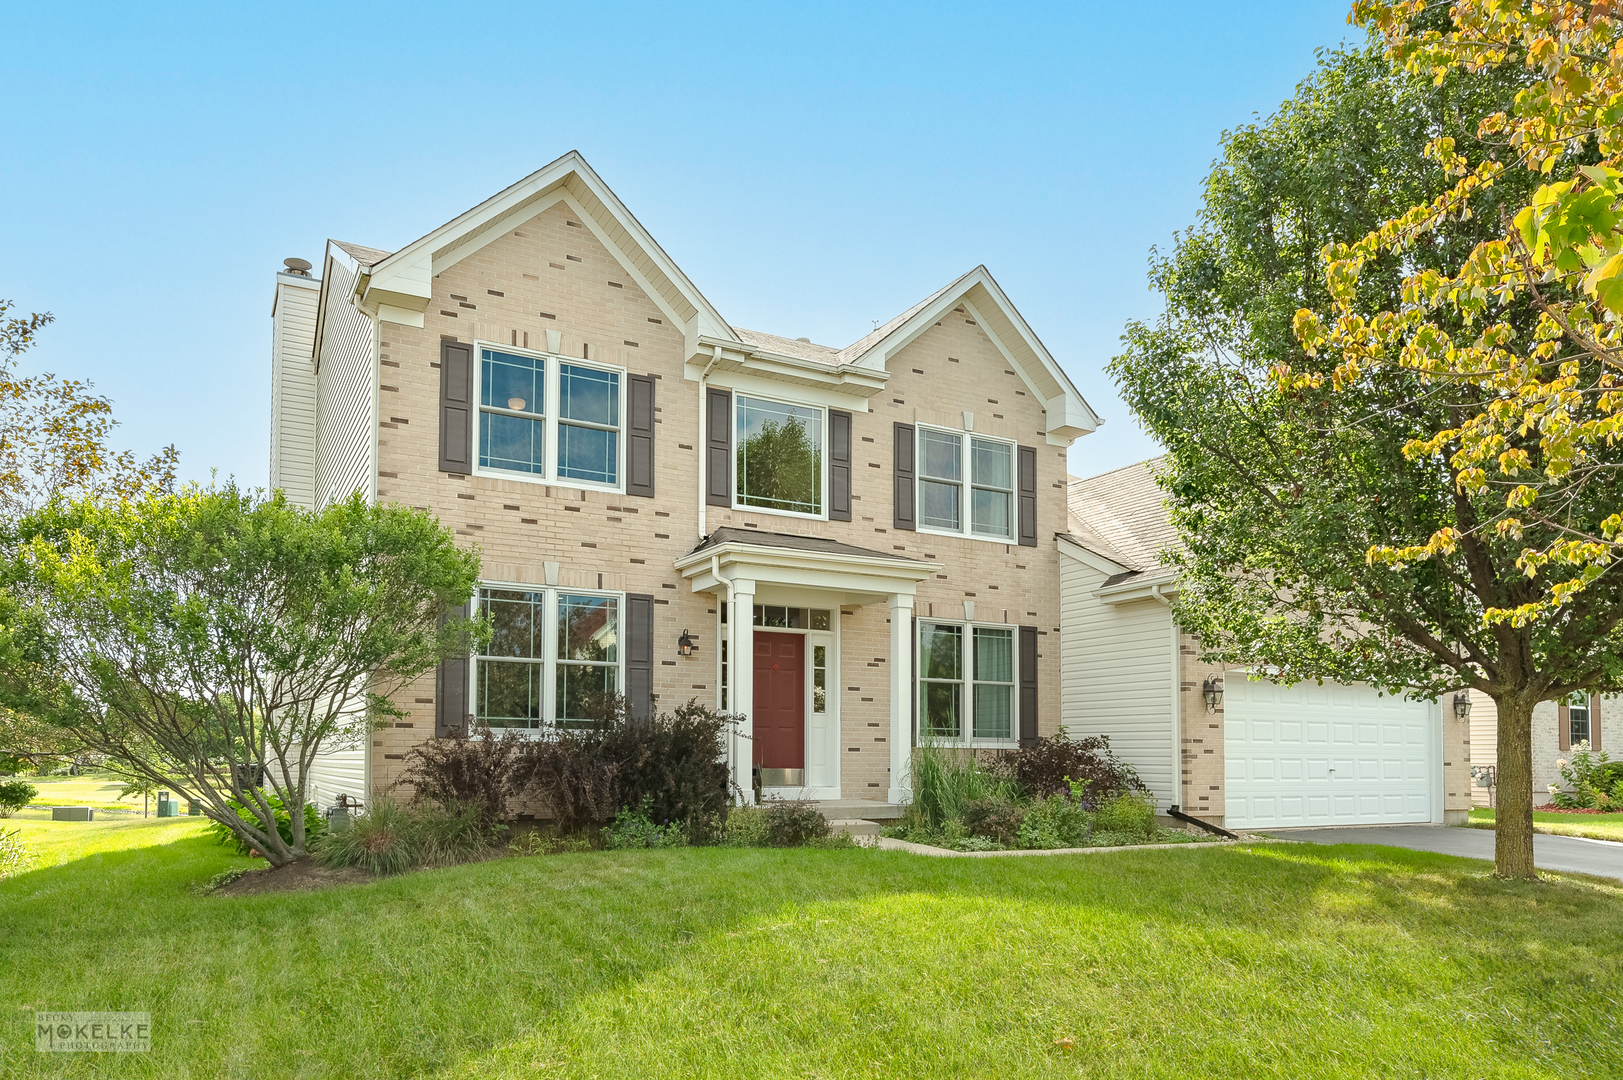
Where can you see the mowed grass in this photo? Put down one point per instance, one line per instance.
(1594, 826)
(1277, 960)
(95, 788)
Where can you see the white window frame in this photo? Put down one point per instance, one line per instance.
(966, 484)
(967, 681)
(823, 436)
(1589, 723)
(550, 418)
(548, 721)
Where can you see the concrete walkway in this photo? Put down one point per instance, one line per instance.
(1569, 854)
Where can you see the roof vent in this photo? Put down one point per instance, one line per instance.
(807, 340)
(297, 266)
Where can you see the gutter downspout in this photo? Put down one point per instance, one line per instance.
(704, 439)
(1177, 698)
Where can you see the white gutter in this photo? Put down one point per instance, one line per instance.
(1177, 697)
(704, 436)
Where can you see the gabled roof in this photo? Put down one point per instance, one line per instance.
(366, 256)
(792, 542)
(401, 281)
(1121, 515)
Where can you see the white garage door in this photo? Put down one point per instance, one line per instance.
(1324, 755)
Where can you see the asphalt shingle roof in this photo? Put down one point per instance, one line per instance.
(1122, 516)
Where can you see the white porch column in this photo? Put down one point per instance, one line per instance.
(901, 697)
(741, 669)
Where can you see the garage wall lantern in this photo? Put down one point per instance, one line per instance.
(685, 645)
(1211, 691)
(1462, 705)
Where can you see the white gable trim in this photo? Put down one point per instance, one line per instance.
(1071, 546)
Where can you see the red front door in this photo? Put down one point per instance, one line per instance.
(780, 701)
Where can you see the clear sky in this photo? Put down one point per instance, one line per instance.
(812, 167)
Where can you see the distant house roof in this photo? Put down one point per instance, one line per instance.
(792, 542)
(1122, 516)
(366, 256)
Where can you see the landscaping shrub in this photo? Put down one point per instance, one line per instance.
(314, 826)
(14, 795)
(634, 829)
(746, 826)
(1054, 822)
(995, 819)
(479, 772)
(390, 838)
(585, 776)
(944, 780)
(1125, 818)
(545, 842)
(1593, 781)
(1049, 766)
(792, 823)
(14, 857)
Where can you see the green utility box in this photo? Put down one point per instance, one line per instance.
(167, 807)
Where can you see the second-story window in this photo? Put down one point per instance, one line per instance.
(576, 439)
(945, 460)
(780, 456)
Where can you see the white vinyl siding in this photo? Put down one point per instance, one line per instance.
(345, 432)
(293, 390)
(1116, 675)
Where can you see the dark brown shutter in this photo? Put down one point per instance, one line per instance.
(903, 515)
(1028, 496)
(718, 450)
(1028, 683)
(1594, 723)
(451, 687)
(456, 407)
(639, 647)
(1563, 728)
(640, 435)
(839, 465)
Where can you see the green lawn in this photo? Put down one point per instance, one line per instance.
(1270, 961)
(1595, 826)
(97, 788)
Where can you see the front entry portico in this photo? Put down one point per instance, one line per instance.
(750, 572)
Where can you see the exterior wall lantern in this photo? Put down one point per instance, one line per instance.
(1211, 691)
(1462, 705)
(685, 645)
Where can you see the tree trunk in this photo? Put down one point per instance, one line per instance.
(1513, 816)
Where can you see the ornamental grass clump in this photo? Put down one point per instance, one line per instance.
(391, 838)
(14, 856)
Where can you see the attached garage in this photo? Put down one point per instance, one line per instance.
(1310, 755)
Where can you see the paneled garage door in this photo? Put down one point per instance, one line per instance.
(1324, 755)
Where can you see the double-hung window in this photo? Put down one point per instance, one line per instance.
(1578, 723)
(966, 682)
(966, 484)
(779, 457)
(549, 653)
(549, 417)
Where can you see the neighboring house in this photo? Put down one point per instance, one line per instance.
(1264, 755)
(675, 508)
(1556, 730)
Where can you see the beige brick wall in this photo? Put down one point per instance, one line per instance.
(552, 274)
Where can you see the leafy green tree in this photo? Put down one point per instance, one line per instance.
(216, 641)
(1280, 491)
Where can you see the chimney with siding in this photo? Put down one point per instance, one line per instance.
(293, 383)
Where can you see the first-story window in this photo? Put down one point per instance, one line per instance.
(576, 439)
(549, 653)
(780, 456)
(966, 682)
(1578, 723)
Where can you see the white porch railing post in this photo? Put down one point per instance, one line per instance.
(901, 698)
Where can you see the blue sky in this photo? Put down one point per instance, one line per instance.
(813, 168)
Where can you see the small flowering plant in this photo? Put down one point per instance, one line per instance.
(1588, 784)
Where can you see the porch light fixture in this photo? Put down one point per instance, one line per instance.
(1462, 705)
(685, 645)
(1212, 692)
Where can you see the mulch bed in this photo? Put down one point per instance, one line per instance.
(1551, 808)
(294, 877)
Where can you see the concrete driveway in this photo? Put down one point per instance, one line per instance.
(1569, 854)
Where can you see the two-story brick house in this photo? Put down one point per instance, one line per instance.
(846, 546)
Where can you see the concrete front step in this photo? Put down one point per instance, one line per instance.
(853, 826)
(858, 809)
